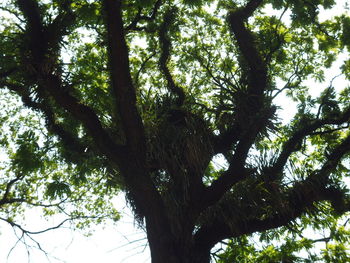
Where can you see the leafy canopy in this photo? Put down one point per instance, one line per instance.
(145, 96)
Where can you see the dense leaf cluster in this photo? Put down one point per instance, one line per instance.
(145, 96)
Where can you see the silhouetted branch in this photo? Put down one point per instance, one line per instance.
(139, 17)
(70, 141)
(165, 45)
(297, 200)
(295, 139)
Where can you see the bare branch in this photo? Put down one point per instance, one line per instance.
(28, 232)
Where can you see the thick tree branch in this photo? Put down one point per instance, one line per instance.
(143, 193)
(226, 139)
(296, 201)
(165, 44)
(252, 109)
(121, 78)
(248, 10)
(257, 69)
(41, 41)
(44, 39)
(220, 186)
(208, 237)
(291, 145)
(34, 28)
(335, 156)
(301, 199)
(52, 84)
(130, 158)
(236, 171)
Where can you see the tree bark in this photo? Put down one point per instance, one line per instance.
(165, 248)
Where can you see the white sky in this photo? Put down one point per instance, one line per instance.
(120, 243)
(123, 243)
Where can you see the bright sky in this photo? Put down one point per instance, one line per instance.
(120, 243)
(123, 243)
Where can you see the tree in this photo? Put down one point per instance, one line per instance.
(142, 96)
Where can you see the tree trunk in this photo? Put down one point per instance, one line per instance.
(165, 248)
